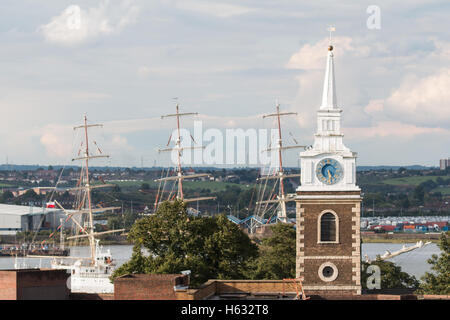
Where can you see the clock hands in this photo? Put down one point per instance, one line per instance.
(329, 171)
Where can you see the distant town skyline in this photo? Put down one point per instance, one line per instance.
(124, 62)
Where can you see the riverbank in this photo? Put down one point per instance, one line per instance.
(8, 241)
(366, 237)
(399, 237)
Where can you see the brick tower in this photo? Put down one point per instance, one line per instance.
(328, 205)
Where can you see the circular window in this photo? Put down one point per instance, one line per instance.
(328, 272)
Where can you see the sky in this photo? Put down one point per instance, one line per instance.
(122, 62)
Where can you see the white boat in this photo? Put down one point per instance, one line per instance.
(88, 277)
(87, 274)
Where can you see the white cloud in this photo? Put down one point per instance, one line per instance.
(375, 106)
(76, 25)
(144, 71)
(384, 129)
(422, 100)
(116, 144)
(62, 143)
(57, 141)
(221, 10)
(312, 57)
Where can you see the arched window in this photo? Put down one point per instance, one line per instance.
(328, 227)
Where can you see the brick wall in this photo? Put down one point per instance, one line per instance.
(8, 285)
(34, 284)
(344, 255)
(218, 287)
(205, 291)
(275, 287)
(148, 286)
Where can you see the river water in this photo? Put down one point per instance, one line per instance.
(413, 262)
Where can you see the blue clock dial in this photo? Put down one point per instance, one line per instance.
(329, 171)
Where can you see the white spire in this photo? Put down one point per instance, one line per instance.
(329, 100)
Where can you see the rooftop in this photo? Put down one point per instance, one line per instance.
(11, 209)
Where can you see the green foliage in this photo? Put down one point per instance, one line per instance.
(30, 195)
(129, 218)
(419, 194)
(212, 248)
(6, 196)
(114, 223)
(276, 260)
(414, 180)
(404, 202)
(438, 282)
(392, 276)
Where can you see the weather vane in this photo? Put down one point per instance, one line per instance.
(331, 29)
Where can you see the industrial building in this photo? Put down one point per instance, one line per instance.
(444, 163)
(14, 218)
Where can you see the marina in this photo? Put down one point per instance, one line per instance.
(37, 250)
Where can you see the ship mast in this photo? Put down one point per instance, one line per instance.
(87, 188)
(179, 149)
(282, 197)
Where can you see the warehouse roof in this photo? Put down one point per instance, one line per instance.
(12, 209)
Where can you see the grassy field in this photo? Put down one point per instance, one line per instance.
(412, 181)
(444, 191)
(126, 184)
(214, 186)
(5, 185)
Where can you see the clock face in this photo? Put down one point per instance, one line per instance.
(329, 171)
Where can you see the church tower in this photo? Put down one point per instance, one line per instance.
(328, 203)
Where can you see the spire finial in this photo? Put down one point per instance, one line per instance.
(329, 89)
(331, 29)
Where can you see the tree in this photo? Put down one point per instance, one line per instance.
(114, 223)
(405, 203)
(129, 218)
(6, 196)
(419, 194)
(277, 255)
(392, 276)
(438, 282)
(212, 248)
(30, 195)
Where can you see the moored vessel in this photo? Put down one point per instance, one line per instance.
(87, 274)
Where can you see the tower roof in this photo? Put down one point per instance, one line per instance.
(329, 100)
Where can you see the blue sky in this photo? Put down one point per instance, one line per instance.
(229, 61)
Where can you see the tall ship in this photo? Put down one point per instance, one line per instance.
(176, 176)
(272, 197)
(87, 274)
